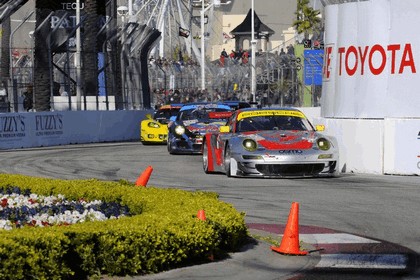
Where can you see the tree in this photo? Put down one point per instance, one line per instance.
(90, 52)
(42, 83)
(307, 19)
(5, 52)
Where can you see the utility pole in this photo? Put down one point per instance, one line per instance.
(253, 44)
(78, 59)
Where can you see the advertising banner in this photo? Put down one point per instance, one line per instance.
(372, 56)
(43, 129)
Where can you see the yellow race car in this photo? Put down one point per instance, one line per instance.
(154, 129)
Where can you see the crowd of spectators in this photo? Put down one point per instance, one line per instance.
(162, 96)
(185, 95)
(240, 56)
(165, 62)
(263, 97)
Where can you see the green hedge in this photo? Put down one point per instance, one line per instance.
(162, 234)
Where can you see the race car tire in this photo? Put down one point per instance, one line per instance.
(227, 161)
(205, 158)
(169, 148)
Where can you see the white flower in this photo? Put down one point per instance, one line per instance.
(68, 217)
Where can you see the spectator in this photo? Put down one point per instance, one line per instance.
(238, 55)
(27, 100)
(56, 89)
(245, 57)
(222, 60)
(282, 52)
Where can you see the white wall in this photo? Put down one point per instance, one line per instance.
(372, 59)
(389, 146)
(370, 100)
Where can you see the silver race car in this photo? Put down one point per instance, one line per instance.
(270, 143)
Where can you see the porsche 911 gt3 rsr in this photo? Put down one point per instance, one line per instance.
(186, 131)
(154, 130)
(271, 143)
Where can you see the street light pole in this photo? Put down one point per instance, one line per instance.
(253, 43)
(203, 52)
(78, 61)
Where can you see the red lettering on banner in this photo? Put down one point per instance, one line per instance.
(407, 60)
(363, 58)
(393, 49)
(340, 52)
(380, 49)
(351, 50)
(357, 60)
(327, 64)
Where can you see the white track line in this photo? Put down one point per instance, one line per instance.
(334, 238)
(363, 261)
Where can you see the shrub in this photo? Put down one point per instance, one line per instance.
(162, 233)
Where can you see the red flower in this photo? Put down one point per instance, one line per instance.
(31, 201)
(45, 224)
(4, 202)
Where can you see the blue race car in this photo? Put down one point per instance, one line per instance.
(187, 129)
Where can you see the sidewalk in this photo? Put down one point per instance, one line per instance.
(255, 261)
(332, 255)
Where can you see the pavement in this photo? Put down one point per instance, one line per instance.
(332, 255)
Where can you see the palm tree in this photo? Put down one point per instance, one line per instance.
(90, 53)
(41, 58)
(307, 19)
(5, 53)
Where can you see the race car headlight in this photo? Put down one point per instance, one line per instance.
(153, 125)
(323, 144)
(249, 145)
(179, 129)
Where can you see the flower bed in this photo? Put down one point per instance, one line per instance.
(158, 230)
(18, 210)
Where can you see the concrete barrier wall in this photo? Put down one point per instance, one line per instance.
(402, 146)
(360, 143)
(388, 146)
(25, 130)
(31, 129)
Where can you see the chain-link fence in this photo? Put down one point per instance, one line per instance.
(120, 83)
(277, 80)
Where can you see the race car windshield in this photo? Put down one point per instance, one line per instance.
(272, 123)
(200, 114)
(166, 114)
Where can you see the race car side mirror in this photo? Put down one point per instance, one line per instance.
(224, 129)
(320, 127)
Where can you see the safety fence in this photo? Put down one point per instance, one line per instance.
(278, 82)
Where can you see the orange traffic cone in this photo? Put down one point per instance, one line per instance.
(201, 215)
(144, 177)
(290, 241)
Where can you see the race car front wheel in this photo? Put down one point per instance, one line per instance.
(227, 161)
(205, 158)
(168, 144)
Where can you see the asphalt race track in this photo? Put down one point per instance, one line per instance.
(374, 207)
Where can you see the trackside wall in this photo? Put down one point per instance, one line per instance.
(389, 146)
(370, 100)
(26, 130)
